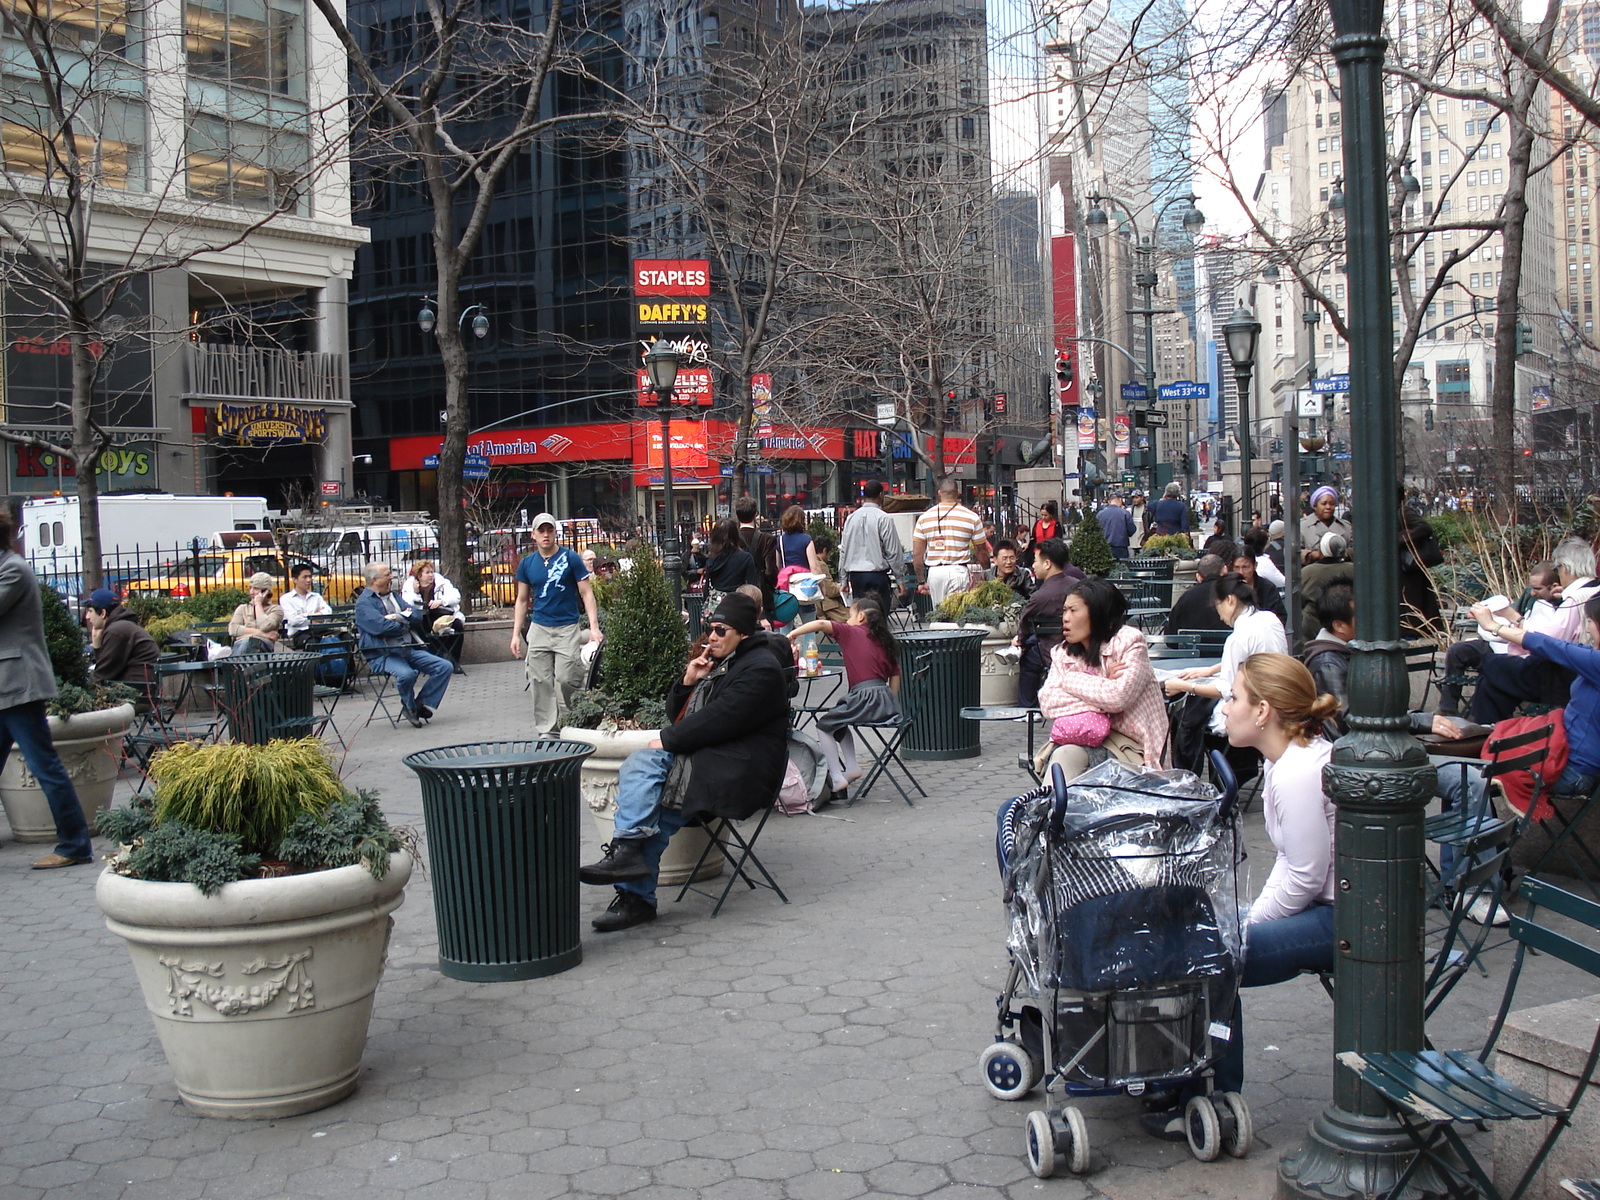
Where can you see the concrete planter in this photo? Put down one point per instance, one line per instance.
(262, 993)
(997, 686)
(598, 784)
(90, 746)
(486, 640)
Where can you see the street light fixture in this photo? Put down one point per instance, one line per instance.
(1241, 333)
(661, 364)
(1096, 223)
(428, 320)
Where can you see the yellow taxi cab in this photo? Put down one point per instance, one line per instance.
(211, 570)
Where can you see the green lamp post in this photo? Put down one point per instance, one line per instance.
(1379, 777)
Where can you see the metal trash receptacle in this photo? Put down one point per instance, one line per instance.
(503, 825)
(934, 697)
(267, 696)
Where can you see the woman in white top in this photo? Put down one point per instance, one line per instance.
(1254, 632)
(1275, 708)
(437, 605)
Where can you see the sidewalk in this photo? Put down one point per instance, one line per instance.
(816, 1051)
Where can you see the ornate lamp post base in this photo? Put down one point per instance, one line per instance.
(1346, 1154)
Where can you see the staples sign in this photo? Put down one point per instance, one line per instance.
(671, 277)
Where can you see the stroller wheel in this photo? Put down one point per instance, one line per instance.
(1041, 1139)
(1203, 1129)
(1238, 1130)
(1076, 1136)
(1009, 1071)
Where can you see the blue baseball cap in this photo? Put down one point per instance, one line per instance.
(102, 598)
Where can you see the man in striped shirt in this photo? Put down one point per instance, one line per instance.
(947, 540)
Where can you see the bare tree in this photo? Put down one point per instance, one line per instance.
(90, 212)
(449, 94)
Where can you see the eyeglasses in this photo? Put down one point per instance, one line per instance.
(717, 630)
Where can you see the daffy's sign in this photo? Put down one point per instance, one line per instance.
(262, 424)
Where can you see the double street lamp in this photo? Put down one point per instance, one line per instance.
(1097, 223)
(427, 319)
(661, 364)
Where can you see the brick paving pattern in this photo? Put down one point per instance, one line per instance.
(820, 1050)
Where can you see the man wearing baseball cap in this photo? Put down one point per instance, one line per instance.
(553, 593)
(123, 651)
(723, 757)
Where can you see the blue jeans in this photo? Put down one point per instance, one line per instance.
(406, 663)
(1275, 951)
(25, 727)
(1465, 785)
(640, 815)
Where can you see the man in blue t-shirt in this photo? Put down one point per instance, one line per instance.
(552, 583)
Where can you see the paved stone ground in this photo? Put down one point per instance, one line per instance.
(821, 1050)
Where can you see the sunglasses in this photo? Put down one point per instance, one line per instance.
(717, 630)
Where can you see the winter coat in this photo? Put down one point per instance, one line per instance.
(25, 671)
(737, 739)
(126, 651)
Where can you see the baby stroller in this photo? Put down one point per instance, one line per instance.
(1125, 943)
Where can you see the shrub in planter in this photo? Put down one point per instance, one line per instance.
(646, 644)
(1171, 545)
(1090, 552)
(63, 639)
(254, 893)
(210, 607)
(990, 594)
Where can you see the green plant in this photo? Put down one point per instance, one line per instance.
(817, 526)
(255, 792)
(147, 608)
(63, 640)
(595, 709)
(975, 614)
(71, 700)
(989, 595)
(1173, 545)
(1090, 552)
(220, 817)
(161, 628)
(214, 606)
(646, 644)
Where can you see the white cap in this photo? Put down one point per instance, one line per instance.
(546, 519)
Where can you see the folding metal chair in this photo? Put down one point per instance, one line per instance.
(1421, 659)
(739, 851)
(1431, 1092)
(380, 681)
(1561, 827)
(884, 744)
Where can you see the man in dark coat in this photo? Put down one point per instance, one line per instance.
(1195, 608)
(1039, 624)
(723, 756)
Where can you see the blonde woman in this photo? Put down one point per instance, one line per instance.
(257, 625)
(1274, 708)
(437, 603)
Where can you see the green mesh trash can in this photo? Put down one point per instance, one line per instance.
(941, 673)
(267, 696)
(503, 826)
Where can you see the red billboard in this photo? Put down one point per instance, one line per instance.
(504, 447)
(1064, 300)
(693, 386)
(671, 277)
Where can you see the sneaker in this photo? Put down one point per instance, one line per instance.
(622, 861)
(1167, 1125)
(626, 911)
(424, 712)
(411, 715)
(51, 861)
(1484, 911)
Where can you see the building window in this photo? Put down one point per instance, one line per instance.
(237, 162)
(1453, 376)
(253, 44)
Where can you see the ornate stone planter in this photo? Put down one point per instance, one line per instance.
(90, 746)
(598, 784)
(997, 684)
(262, 993)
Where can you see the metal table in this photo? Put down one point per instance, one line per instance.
(1009, 712)
(808, 706)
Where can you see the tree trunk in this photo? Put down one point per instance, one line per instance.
(86, 456)
(1503, 395)
(458, 415)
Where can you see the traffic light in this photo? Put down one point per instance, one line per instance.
(1524, 338)
(1063, 368)
(1427, 420)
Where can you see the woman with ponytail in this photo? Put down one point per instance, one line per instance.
(872, 667)
(1274, 708)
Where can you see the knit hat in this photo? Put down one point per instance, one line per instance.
(263, 581)
(102, 598)
(1332, 545)
(738, 612)
(1275, 530)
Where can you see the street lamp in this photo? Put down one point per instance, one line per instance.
(1097, 223)
(427, 319)
(1241, 333)
(661, 366)
(1378, 776)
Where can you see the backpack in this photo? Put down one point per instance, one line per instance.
(794, 798)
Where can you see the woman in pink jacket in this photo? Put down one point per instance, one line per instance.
(1103, 666)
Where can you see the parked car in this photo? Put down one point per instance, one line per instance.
(216, 569)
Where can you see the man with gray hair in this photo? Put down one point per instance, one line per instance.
(1170, 515)
(1505, 681)
(383, 620)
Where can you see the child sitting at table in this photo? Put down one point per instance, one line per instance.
(872, 667)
